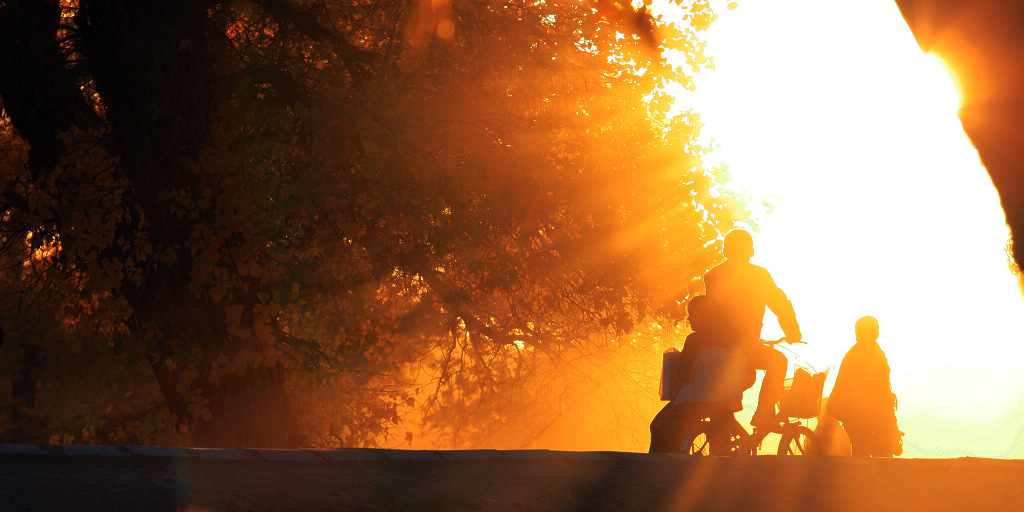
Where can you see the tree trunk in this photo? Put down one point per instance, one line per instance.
(251, 410)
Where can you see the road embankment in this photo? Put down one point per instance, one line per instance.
(44, 478)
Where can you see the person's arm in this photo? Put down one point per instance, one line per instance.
(776, 300)
(836, 405)
(887, 399)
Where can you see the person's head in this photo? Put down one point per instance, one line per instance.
(867, 329)
(739, 245)
(698, 312)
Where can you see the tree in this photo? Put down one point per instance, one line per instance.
(288, 209)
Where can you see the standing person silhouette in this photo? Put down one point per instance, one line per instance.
(862, 397)
(741, 291)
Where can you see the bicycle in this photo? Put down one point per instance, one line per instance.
(719, 433)
(797, 438)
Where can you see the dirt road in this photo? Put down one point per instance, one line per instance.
(343, 480)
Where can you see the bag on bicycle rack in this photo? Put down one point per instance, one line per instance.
(801, 397)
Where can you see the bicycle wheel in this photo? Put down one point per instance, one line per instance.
(696, 440)
(709, 438)
(798, 440)
(732, 439)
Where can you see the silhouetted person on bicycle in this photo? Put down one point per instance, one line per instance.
(741, 291)
(666, 427)
(862, 397)
(717, 392)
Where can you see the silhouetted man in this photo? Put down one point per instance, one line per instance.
(741, 291)
(862, 397)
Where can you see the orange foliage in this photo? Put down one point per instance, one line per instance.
(371, 232)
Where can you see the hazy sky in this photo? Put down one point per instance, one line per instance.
(879, 205)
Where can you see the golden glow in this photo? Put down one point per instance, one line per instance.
(874, 203)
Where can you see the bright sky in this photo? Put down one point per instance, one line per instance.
(831, 112)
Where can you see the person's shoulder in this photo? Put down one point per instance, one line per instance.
(731, 266)
(851, 353)
(869, 347)
(759, 269)
(856, 354)
(757, 273)
(739, 269)
(697, 336)
(876, 351)
(721, 267)
(700, 340)
(692, 339)
(866, 351)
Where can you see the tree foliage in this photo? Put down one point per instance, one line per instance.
(283, 223)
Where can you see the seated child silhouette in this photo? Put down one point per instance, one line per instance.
(712, 378)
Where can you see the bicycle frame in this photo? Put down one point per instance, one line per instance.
(733, 439)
